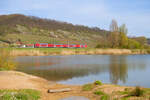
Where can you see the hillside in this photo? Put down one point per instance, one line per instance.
(29, 29)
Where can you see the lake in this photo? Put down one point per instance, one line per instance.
(128, 70)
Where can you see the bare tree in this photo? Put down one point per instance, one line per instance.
(114, 26)
(114, 34)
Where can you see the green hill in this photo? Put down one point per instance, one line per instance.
(29, 29)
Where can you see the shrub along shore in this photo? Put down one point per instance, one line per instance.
(73, 51)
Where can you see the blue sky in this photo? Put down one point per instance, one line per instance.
(134, 13)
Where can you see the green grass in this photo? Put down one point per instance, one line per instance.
(25, 94)
(53, 49)
(87, 87)
(99, 93)
(41, 38)
(29, 38)
(124, 92)
(105, 97)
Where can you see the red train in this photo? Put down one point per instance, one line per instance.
(46, 45)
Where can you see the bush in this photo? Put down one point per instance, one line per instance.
(87, 87)
(137, 92)
(98, 46)
(102, 45)
(133, 44)
(98, 83)
(6, 62)
(127, 89)
(148, 51)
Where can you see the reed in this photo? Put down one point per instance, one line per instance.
(6, 61)
(74, 51)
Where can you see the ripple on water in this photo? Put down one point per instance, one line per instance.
(75, 98)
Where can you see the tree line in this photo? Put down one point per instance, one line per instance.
(117, 38)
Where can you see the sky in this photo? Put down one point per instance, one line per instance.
(93, 13)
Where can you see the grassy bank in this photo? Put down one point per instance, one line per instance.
(24, 94)
(115, 92)
(72, 51)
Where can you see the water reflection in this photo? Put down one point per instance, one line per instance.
(118, 69)
(75, 98)
(60, 68)
(110, 69)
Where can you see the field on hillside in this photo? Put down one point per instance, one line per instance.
(27, 29)
(31, 39)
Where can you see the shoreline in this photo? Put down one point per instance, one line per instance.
(20, 80)
(62, 51)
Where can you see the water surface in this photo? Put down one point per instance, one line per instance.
(75, 98)
(129, 70)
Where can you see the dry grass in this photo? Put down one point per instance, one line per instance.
(62, 51)
(27, 53)
(113, 51)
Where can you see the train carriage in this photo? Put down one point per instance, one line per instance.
(46, 45)
(41, 45)
(51, 45)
